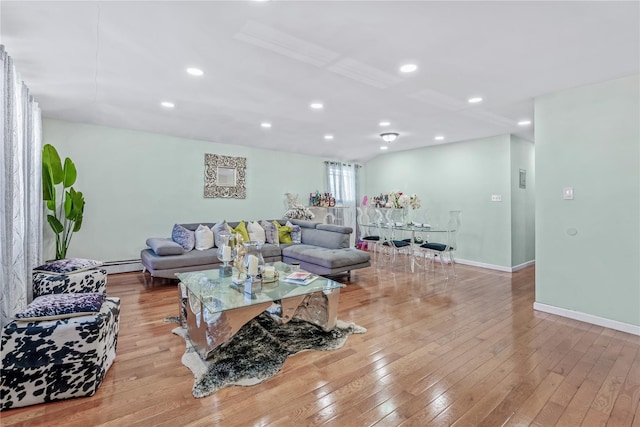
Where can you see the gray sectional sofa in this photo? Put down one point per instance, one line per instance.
(324, 250)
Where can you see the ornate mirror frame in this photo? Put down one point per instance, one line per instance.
(225, 177)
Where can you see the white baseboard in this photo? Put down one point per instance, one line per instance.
(496, 267)
(588, 318)
(484, 265)
(127, 266)
(523, 265)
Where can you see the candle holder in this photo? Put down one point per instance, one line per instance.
(254, 264)
(226, 254)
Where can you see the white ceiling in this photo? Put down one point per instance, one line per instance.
(112, 62)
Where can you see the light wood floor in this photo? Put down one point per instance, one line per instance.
(464, 352)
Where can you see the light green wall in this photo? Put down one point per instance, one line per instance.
(522, 202)
(458, 176)
(137, 185)
(588, 138)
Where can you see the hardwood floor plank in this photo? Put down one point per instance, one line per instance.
(627, 403)
(465, 351)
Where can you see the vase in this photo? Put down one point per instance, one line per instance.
(254, 250)
(406, 216)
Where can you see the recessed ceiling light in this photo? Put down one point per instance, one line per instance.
(475, 100)
(195, 71)
(316, 105)
(384, 147)
(167, 104)
(439, 138)
(408, 68)
(384, 123)
(524, 122)
(265, 124)
(328, 137)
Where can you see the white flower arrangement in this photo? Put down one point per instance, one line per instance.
(414, 202)
(297, 210)
(399, 200)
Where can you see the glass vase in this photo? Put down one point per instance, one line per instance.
(226, 254)
(254, 265)
(254, 249)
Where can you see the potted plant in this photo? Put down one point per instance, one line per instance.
(67, 209)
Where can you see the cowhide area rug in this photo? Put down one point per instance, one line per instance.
(258, 351)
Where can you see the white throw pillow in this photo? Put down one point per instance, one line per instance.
(256, 232)
(204, 238)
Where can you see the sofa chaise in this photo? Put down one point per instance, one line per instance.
(323, 249)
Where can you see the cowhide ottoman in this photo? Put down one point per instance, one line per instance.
(54, 358)
(94, 280)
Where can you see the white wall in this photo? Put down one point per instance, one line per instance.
(459, 176)
(588, 138)
(137, 185)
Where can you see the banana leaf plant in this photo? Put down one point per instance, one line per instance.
(67, 209)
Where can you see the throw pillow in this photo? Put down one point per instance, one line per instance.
(61, 306)
(184, 237)
(256, 232)
(67, 266)
(218, 230)
(271, 232)
(204, 238)
(163, 246)
(242, 230)
(284, 233)
(296, 232)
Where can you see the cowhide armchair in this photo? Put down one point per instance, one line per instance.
(53, 357)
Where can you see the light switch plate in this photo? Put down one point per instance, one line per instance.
(567, 193)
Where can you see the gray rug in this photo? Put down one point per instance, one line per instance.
(258, 351)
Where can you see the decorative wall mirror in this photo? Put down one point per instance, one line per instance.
(224, 176)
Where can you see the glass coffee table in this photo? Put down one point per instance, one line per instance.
(216, 308)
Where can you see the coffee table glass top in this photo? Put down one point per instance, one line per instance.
(220, 293)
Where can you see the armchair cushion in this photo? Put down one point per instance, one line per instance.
(440, 247)
(61, 306)
(67, 266)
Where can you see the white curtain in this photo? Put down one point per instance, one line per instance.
(20, 191)
(343, 183)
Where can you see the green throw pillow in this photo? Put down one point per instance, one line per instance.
(242, 230)
(284, 232)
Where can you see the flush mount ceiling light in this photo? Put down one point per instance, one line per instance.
(167, 104)
(524, 122)
(328, 137)
(439, 138)
(408, 68)
(474, 100)
(384, 124)
(316, 106)
(195, 71)
(265, 124)
(384, 147)
(389, 136)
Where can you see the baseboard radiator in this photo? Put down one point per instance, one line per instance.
(124, 266)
